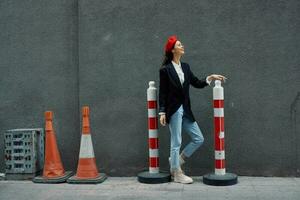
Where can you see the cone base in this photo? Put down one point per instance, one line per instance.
(154, 178)
(75, 180)
(220, 180)
(60, 179)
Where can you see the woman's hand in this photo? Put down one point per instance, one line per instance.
(216, 77)
(162, 119)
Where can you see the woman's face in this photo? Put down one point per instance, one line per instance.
(178, 48)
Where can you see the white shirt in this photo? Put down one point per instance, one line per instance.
(179, 71)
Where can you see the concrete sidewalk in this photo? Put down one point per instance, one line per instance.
(128, 188)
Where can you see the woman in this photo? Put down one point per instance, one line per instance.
(175, 106)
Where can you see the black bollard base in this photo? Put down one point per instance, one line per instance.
(154, 178)
(220, 180)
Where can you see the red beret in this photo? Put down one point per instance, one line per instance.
(170, 43)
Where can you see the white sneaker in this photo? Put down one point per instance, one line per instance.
(180, 177)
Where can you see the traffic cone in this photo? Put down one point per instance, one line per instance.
(53, 169)
(87, 171)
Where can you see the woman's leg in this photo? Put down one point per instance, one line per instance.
(175, 126)
(195, 133)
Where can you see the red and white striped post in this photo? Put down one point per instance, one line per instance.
(220, 177)
(152, 129)
(154, 175)
(218, 99)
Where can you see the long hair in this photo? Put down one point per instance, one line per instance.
(168, 57)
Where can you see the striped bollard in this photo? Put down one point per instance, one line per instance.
(220, 177)
(154, 175)
(152, 129)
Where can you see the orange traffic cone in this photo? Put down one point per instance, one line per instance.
(53, 169)
(87, 171)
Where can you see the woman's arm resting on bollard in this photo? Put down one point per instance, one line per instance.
(195, 82)
(216, 77)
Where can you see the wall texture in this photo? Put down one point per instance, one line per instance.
(39, 70)
(61, 55)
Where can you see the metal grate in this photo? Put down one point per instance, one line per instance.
(24, 150)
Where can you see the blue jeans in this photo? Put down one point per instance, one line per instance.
(179, 121)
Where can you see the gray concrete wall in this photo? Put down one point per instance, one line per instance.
(38, 70)
(120, 46)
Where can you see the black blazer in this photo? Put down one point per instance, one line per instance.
(172, 94)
